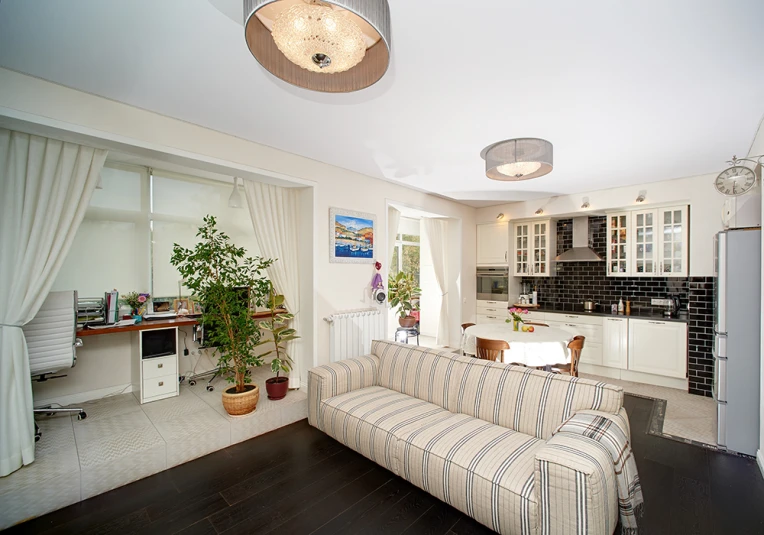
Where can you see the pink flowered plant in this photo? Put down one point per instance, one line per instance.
(142, 298)
(517, 313)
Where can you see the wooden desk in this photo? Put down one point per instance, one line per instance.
(146, 325)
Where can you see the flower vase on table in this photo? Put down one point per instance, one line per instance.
(517, 317)
(137, 302)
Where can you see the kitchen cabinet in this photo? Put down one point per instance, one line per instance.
(658, 347)
(534, 244)
(492, 244)
(483, 319)
(589, 327)
(615, 342)
(648, 243)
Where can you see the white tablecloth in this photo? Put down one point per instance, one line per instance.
(543, 347)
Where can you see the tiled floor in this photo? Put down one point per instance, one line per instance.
(122, 441)
(687, 415)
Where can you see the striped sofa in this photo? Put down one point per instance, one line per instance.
(477, 435)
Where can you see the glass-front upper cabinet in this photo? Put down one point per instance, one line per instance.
(643, 248)
(673, 242)
(534, 249)
(618, 253)
(521, 265)
(648, 243)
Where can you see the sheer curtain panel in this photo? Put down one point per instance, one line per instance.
(45, 188)
(275, 216)
(437, 235)
(393, 221)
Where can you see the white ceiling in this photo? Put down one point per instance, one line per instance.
(628, 92)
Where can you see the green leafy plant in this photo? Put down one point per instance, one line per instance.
(280, 333)
(219, 273)
(403, 293)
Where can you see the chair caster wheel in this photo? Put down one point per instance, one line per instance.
(210, 388)
(37, 437)
(81, 415)
(191, 382)
(181, 378)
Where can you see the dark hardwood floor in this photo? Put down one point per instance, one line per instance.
(298, 480)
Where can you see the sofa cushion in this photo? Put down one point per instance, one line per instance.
(482, 469)
(366, 420)
(423, 373)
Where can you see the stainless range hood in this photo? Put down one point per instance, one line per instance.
(581, 252)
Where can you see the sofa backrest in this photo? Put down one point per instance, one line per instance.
(523, 399)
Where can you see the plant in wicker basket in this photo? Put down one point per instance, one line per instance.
(221, 275)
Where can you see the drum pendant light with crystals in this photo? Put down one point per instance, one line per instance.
(518, 159)
(332, 46)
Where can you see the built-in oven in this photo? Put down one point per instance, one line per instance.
(493, 284)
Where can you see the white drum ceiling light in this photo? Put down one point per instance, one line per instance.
(518, 159)
(334, 46)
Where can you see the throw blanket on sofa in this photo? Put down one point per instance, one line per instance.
(612, 433)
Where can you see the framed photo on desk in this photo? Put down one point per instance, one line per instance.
(177, 304)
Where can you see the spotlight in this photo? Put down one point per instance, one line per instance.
(500, 217)
(539, 211)
(642, 195)
(585, 204)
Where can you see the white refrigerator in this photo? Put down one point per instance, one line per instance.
(737, 335)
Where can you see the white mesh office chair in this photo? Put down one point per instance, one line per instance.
(52, 343)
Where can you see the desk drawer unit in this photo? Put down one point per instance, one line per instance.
(159, 387)
(159, 367)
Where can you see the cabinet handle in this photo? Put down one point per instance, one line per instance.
(614, 319)
(657, 322)
(161, 383)
(160, 365)
(570, 325)
(574, 317)
(505, 256)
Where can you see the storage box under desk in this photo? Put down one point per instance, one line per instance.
(154, 369)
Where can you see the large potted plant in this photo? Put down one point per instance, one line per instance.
(278, 327)
(222, 275)
(404, 295)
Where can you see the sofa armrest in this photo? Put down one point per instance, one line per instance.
(575, 487)
(338, 378)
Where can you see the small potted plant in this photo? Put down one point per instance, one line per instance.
(277, 387)
(517, 316)
(217, 272)
(404, 295)
(136, 302)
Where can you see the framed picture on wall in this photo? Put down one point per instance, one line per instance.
(351, 236)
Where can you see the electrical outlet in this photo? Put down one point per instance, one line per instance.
(660, 302)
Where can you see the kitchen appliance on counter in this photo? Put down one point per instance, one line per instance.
(737, 338)
(492, 284)
(590, 305)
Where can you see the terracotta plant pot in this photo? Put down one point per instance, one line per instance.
(277, 387)
(238, 404)
(408, 322)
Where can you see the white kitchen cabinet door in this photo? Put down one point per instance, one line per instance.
(542, 254)
(483, 319)
(492, 244)
(619, 244)
(658, 347)
(644, 247)
(592, 333)
(521, 264)
(673, 241)
(615, 345)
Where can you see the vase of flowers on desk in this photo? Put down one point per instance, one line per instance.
(137, 304)
(517, 317)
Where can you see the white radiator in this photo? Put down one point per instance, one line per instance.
(351, 332)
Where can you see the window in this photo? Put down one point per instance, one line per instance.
(130, 227)
(406, 255)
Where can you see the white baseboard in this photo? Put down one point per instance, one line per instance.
(760, 461)
(636, 377)
(82, 397)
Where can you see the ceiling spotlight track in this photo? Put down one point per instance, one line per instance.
(334, 46)
(518, 159)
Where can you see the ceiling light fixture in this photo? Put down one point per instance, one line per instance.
(539, 211)
(500, 217)
(303, 42)
(518, 159)
(234, 201)
(642, 196)
(585, 204)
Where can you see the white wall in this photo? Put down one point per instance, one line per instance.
(705, 202)
(338, 286)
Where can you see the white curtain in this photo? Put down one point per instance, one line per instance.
(275, 215)
(45, 188)
(393, 220)
(437, 235)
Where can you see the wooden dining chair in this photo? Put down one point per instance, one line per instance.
(537, 324)
(490, 349)
(575, 346)
(466, 326)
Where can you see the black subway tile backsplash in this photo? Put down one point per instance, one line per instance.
(576, 281)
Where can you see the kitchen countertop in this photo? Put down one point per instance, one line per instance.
(636, 313)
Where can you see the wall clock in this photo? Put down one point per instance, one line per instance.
(735, 181)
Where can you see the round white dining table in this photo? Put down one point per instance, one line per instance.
(545, 346)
